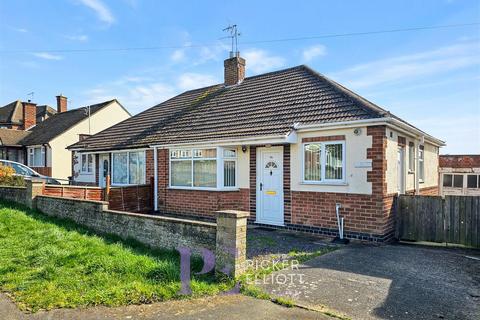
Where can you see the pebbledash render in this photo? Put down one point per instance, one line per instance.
(288, 146)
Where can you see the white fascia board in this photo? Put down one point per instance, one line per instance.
(387, 121)
(290, 137)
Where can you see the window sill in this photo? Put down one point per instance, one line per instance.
(204, 189)
(342, 183)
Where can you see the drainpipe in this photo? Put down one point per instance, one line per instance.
(417, 167)
(155, 179)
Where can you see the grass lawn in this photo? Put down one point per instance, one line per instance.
(49, 263)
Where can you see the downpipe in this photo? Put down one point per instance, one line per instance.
(340, 222)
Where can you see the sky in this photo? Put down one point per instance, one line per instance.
(143, 52)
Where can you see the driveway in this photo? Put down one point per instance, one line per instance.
(387, 282)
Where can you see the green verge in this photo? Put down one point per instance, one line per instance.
(50, 263)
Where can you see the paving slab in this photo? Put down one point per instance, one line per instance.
(386, 282)
(232, 307)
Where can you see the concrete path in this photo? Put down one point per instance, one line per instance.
(387, 282)
(234, 307)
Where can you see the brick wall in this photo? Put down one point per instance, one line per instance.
(369, 217)
(191, 202)
(15, 194)
(459, 161)
(429, 191)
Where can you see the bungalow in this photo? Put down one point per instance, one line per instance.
(288, 146)
(38, 135)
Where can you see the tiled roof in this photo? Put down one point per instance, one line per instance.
(12, 113)
(10, 137)
(58, 123)
(264, 105)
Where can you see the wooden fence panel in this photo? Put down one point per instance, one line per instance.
(455, 219)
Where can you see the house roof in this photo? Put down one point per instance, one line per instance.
(12, 113)
(44, 111)
(264, 105)
(58, 123)
(11, 137)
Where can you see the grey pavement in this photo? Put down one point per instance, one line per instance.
(387, 282)
(234, 307)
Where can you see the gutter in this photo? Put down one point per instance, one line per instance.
(388, 121)
(289, 137)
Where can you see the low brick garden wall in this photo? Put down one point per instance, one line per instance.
(15, 194)
(226, 238)
(155, 231)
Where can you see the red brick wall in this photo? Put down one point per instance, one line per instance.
(191, 202)
(371, 215)
(46, 171)
(429, 191)
(460, 161)
(29, 115)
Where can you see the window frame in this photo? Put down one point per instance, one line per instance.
(421, 162)
(411, 157)
(112, 165)
(220, 160)
(31, 152)
(87, 155)
(477, 180)
(323, 159)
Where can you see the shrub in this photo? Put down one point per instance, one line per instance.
(8, 177)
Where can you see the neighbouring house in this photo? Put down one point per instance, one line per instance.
(286, 146)
(460, 175)
(38, 135)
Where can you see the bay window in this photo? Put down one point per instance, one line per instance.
(208, 168)
(324, 162)
(128, 167)
(36, 157)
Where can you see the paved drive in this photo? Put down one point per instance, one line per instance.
(388, 282)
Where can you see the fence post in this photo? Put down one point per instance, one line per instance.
(231, 244)
(34, 189)
(107, 188)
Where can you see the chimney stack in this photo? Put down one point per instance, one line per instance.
(234, 69)
(61, 103)
(29, 114)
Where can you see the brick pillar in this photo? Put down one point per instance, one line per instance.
(231, 245)
(34, 188)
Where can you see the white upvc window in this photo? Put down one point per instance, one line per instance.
(36, 156)
(86, 163)
(203, 168)
(128, 168)
(323, 162)
(411, 157)
(421, 163)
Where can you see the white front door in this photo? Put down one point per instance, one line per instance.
(270, 185)
(401, 171)
(104, 169)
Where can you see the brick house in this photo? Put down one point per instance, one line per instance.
(460, 175)
(286, 146)
(38, 135)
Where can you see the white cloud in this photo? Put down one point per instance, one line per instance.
(178, 55)
(259, 61)
(313, 52)
(188, 81)
(80, 37)
(47, 56)
(21, 30)
(409, 67)
(102, 11)
(138, 93)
